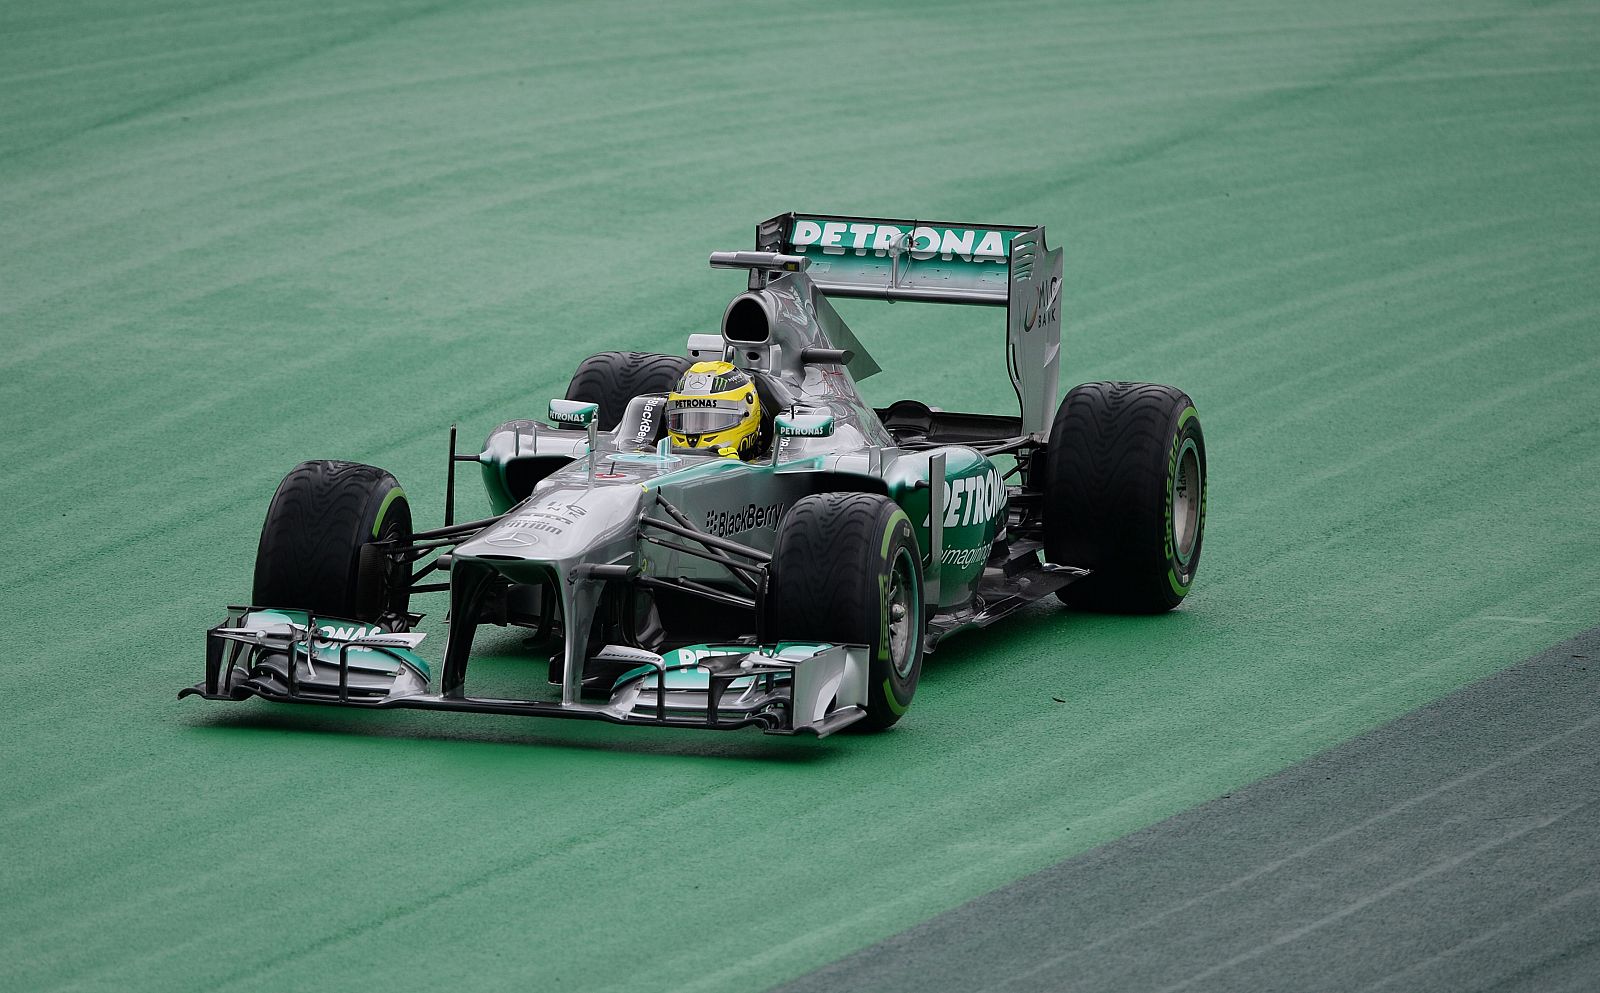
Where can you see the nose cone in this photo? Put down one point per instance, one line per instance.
(561, 526)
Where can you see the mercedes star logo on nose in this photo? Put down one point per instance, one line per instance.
(512, 538)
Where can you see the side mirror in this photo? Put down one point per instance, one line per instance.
(573, 412)
(803, 425)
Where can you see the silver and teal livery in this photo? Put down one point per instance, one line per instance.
(624, 550)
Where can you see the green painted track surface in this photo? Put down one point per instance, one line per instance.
(232, 236)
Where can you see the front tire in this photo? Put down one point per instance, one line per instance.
(845, 569)
(1125, 495)
(611, 379)
(310, 556)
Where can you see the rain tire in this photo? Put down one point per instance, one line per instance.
(322, 516)
(833, 577)
(611, 379)
(1125, 495)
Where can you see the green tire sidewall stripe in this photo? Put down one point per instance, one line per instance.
(888, 532)
(383, 508)
(890, 695)
(1180, 588)
(1187, 445)
(891, 700)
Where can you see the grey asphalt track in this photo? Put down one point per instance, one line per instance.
(1454, 849)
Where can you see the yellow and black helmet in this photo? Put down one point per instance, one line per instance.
(715, 406)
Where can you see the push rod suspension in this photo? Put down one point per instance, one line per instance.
(710, 541)
(690, 586)
(738, 571)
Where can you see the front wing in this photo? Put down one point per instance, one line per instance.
(293, 657)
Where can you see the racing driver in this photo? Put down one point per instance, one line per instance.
(715, 406)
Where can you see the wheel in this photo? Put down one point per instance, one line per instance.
(1125, 495)
(845, 568)
(310, 557)
(611, 379)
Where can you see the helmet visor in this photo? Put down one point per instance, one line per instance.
(703, 417)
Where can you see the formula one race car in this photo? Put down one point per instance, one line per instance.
(734, 537)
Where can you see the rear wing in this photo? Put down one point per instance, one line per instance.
(938, 262)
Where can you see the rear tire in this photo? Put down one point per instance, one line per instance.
(310, 555)
(1125, 495)
(611, 379)
(845, 569)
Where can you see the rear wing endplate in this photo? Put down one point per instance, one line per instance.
(939, 262)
